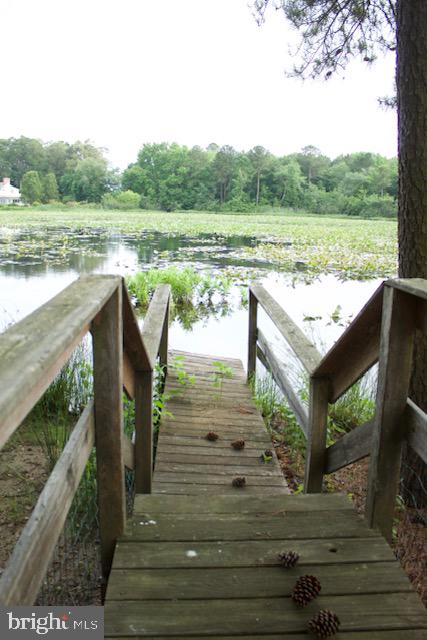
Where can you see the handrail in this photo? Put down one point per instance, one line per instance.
(355, 351)
(305, 351)
(34, 350)
(383, 331)
(32, 353)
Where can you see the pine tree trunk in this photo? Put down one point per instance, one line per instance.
(412, 228)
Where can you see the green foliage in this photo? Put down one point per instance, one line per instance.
(332, 33)
(50, 188)
(31, 187)
(122, 200)
(170, 177)
(221, 372)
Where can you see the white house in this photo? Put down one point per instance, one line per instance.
(8, 193)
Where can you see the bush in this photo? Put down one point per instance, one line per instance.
(124, 200)
(371, 206)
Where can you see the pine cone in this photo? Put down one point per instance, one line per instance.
(288, 559)
(305, 590)
(239, 482)
(238, 444)
(212, 436)
(324, 624)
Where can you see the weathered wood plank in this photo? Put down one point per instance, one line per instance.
(208, 489)
(128, 377)
(320, 524)
(301, 345)
(316, 439)
(277, 370)
(414, 286)
(221, 460)
(416, 425)
(199, 441)
(133, 345)
(234, 469)
(26, 569)
(107, 334)
(262, 615)
(214, 479)
(252, 334)
(240, 504)
(34, 350)
(152, 327)
(395, 367)
(169, 451)
(356, 350)
(144, 431)
(255, 582)
(253, 553)
(353, 446)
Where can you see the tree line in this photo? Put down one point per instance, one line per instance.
(171, 176)
(53, 171)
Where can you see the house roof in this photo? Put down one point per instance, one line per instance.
(8, 191)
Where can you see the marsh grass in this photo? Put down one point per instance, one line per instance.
(354, 408)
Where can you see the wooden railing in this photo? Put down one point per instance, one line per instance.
(32, 352)
(382, 332)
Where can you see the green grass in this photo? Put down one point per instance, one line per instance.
(354, 408)
(315, 244)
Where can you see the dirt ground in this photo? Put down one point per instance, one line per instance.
(409, 532)
(23, 473)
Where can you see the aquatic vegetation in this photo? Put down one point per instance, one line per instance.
(195, 296)
(296, 242)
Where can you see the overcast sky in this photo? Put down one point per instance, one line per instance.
(122, 73)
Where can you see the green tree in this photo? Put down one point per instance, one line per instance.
(259, 159)
(223, 167)
(31, 187)
(331, 34)
(49, 187)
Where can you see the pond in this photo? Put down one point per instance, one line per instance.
(37, 264)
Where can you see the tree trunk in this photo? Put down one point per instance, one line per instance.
(412, 227)
(257, 187)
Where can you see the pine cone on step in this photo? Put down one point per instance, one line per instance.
(324, 624)
(288, 559)
(305, 590)
(239, 482)
(238, 444)
(212, 436)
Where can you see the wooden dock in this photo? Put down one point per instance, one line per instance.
(199, 558)
(186, 462)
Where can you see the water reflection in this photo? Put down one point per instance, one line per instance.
(36, 265)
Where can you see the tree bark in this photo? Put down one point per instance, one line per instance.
(411, 76)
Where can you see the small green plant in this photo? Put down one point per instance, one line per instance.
(184, 379)
(221, 371)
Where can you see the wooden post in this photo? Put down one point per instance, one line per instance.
(163, 349)
(143, 431)
(316, 437)
(253, 314)
(395, 364)
(108, 390)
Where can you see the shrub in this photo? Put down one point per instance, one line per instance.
(123, 200)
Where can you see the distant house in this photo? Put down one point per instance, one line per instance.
(8, 193)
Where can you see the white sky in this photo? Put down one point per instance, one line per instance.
(122, 73)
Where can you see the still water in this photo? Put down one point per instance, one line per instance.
(36, 265)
